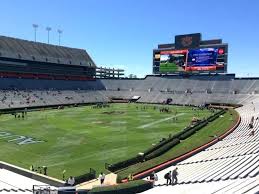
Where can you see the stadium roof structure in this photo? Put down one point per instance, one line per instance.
(19, 49)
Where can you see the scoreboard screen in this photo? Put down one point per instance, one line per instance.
(202, 59)
(171, 61)
(190, 60)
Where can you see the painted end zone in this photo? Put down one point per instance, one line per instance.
(186, 155)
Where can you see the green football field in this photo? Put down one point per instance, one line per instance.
(169, 67)
(75, 139)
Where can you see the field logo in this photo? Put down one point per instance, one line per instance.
(18, 139)
(186, 41)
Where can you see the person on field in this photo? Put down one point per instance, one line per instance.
(45, 168)
(130, 177)
(102, 177)
(63, 175)
(31, 168)
(174, 176)
(168, 178)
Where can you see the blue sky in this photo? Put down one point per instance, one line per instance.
(123, 33)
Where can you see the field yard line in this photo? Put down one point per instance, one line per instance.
(159, 121)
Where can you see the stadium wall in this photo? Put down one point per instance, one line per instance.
(33, 175)
(221, 84)
(41, 84)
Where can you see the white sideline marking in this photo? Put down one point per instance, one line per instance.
(159, 121)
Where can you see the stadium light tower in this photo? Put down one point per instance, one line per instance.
(48, 29)
(35, 26)
(59, 36)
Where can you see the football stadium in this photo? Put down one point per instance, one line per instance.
(69, 125)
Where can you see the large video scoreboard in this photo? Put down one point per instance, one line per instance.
(191, 55)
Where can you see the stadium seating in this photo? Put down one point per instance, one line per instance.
(33, 98)
(237, 186)
(14, 48)
(229, 166)
(11, 182)
(151, 89)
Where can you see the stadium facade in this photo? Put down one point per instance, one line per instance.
(27, 59)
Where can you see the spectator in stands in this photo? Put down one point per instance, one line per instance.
(102, 178)
(168, 178)
(153, 177)
(174, 176)
(252, 133)
(252, 119)
(71, 181)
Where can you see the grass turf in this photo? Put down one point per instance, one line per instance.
(169, 67)
(79, 138)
